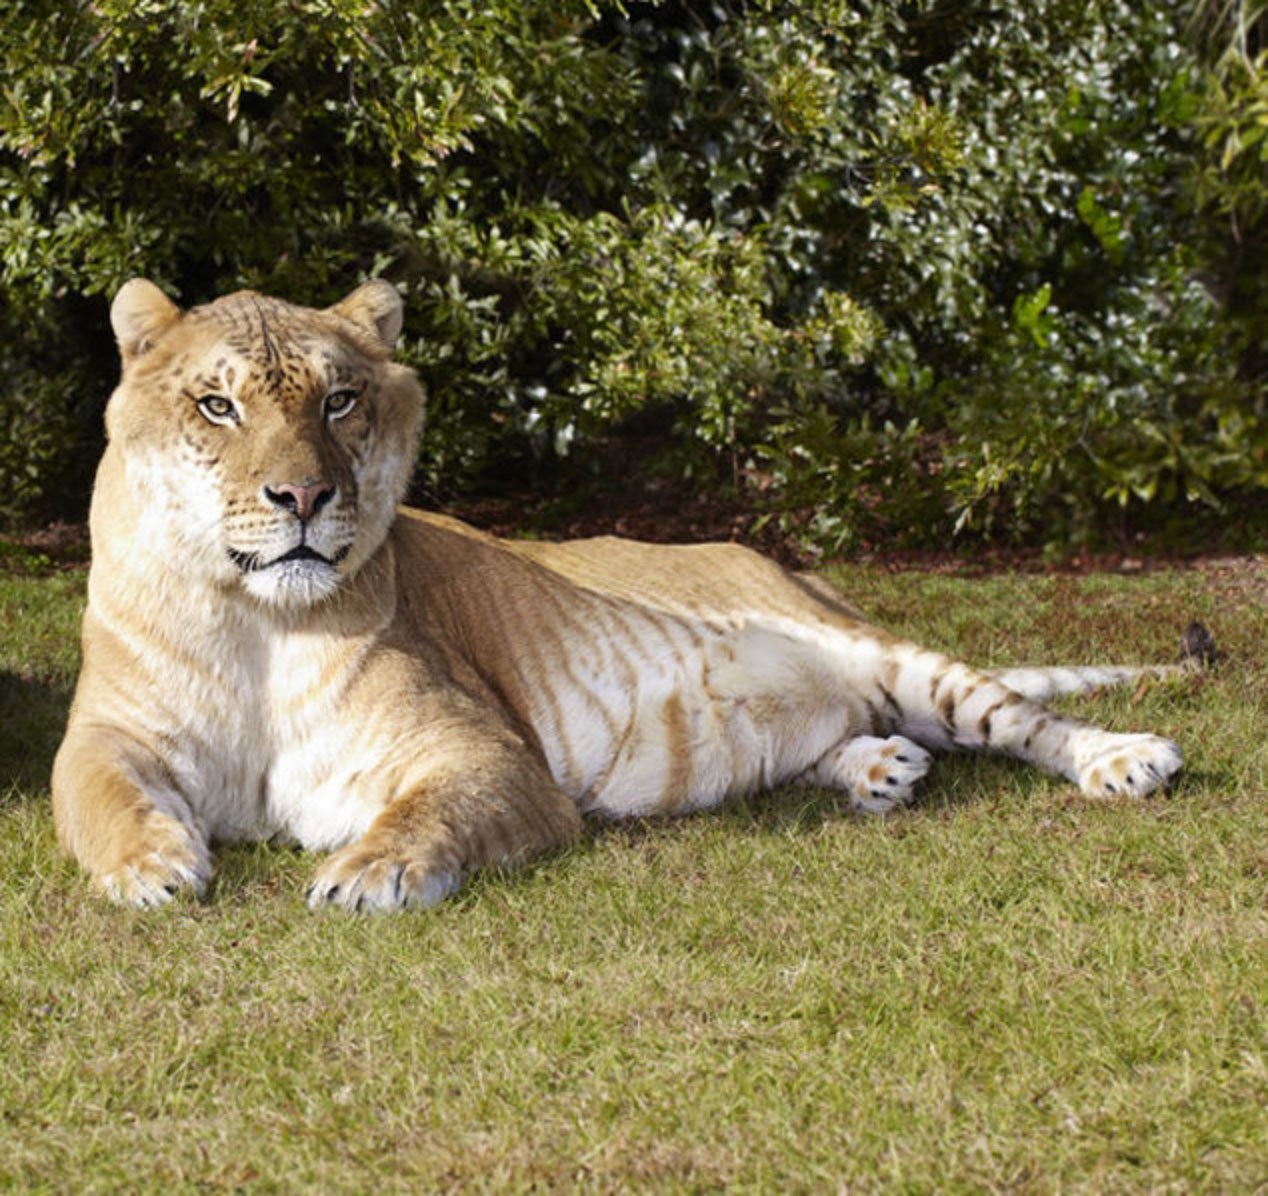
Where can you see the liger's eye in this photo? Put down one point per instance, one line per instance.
(340, 402)
(218, 409)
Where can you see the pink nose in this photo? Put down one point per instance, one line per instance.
(304, 501)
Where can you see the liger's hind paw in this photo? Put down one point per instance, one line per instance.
(878, 774)
(1130, 765)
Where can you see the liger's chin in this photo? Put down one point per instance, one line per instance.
(292, 585)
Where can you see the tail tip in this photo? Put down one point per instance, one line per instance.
(1197, 646)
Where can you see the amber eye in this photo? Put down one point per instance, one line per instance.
(340, 402)
(218, 409)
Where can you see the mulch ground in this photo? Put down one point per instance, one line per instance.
(669, 516)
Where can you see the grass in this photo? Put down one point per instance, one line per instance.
(1006, 988)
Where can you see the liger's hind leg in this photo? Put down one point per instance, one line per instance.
(944, 703)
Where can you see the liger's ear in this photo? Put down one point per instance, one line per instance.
(376, 307)
(139, 314)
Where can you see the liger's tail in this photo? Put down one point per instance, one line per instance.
(1039, 684)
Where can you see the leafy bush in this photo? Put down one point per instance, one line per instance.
(904, 269)
(1231, 114)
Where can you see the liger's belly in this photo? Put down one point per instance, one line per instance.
(718, 711)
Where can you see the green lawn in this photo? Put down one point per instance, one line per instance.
(1008, 987)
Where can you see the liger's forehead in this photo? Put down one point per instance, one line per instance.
(253, 342)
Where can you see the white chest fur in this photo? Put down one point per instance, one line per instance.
(255, 743)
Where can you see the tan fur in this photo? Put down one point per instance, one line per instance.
(272, 649)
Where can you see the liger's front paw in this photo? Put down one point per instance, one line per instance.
(1134, 765)
(165, 858)
(371, 879)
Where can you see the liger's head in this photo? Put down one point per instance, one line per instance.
(267, 444)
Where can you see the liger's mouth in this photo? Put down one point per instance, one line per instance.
(251, 562)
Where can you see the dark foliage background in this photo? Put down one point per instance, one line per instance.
(898, 270)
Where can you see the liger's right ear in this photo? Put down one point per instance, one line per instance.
(139, 314)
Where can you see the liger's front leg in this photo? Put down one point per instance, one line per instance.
(118, 813)
(501, 807)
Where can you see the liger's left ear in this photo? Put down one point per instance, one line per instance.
(376, 307)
